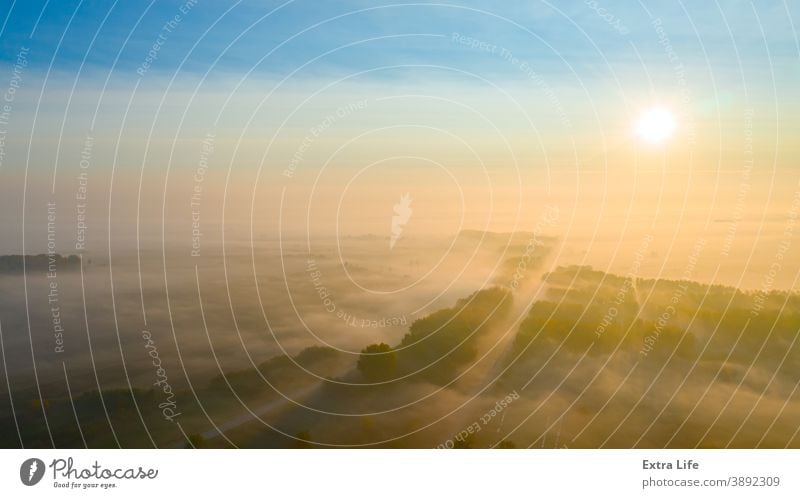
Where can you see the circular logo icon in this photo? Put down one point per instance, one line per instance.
(31, 471)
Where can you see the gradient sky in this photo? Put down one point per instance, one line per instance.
(546, 102)
(735, 54)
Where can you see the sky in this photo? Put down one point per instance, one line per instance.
(235, 35)
(511, 105)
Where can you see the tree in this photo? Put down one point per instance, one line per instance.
(377, 362)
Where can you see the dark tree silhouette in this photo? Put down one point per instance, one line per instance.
(377, 362)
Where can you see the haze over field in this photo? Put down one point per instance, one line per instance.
(269, 224)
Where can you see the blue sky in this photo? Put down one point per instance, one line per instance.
(603, 61)
(226, 65)
(67, 32)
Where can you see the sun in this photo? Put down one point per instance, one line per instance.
(655, 125)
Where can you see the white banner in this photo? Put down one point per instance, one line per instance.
(389, 473)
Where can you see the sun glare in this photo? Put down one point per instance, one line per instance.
(655, 125)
